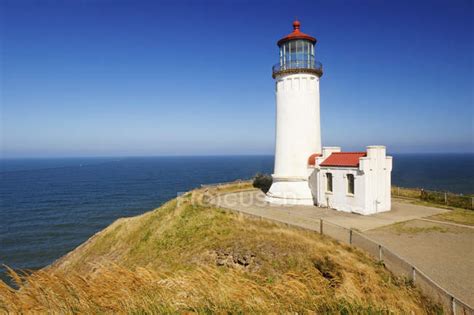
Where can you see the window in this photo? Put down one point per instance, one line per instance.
(350, 184)
(328, 182)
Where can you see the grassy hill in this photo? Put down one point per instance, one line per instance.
(188, 256)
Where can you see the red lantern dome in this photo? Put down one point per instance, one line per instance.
(296, 34)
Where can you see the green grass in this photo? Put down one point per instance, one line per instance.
(434, 198)
(455, 215)
(403, 227)
(460, 216)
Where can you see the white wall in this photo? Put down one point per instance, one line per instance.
(372, 184)
(298, 131)
(378, 168)
(339, 198)
(326, 152)
(298, 135)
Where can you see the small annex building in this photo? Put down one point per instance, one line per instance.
(358, 182)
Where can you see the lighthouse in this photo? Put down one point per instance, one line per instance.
(306, 173)
(298, 130)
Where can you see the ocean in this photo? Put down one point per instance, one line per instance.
(50, 206)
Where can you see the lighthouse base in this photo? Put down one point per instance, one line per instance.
(290, 191)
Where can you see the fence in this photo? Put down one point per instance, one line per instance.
(397, 265)
(443, 198)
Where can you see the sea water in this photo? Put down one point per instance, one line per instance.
(50, 206)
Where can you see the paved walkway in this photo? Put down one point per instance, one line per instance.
(443, 251)
(252, 202)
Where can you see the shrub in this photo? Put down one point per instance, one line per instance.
(262, 181)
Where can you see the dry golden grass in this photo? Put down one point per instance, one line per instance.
(187, 256)
(406, 192)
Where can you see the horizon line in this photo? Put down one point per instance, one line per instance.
(197, 155)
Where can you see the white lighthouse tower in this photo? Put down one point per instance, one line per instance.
(298, 131)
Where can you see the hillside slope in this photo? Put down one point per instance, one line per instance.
(189, 256)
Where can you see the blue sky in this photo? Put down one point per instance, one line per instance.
(104, 78)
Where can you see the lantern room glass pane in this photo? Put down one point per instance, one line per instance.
(297, 53)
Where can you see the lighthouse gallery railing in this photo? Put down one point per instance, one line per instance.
(297, 65)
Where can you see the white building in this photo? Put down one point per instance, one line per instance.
(305, 173)
(352, 181)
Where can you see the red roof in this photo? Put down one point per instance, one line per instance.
(312, 158)
(343, 159)
(296, 34)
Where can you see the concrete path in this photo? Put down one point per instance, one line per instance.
(444, 252)
(253, 202)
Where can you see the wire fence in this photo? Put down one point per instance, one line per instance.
(397, 265)
(443, 198)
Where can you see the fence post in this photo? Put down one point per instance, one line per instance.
(321, 226)
(446, 198)
(350, 236)
(398, 191)
(453, 305)
(380, 252)
(413, 274)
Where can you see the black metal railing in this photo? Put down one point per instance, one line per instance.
(295, 65)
